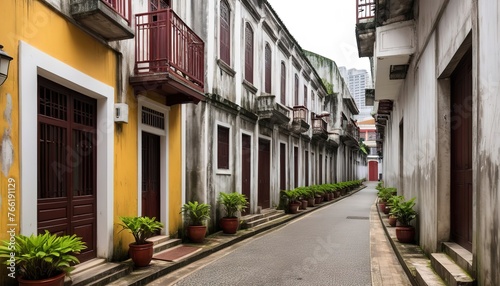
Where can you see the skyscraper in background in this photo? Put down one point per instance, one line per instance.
(358, 81)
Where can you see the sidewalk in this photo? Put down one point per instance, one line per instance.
(386, 269)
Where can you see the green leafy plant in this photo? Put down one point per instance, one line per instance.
(291, 195)
(141, 227)
(386, 193)
(233, 203)
(44, 255)
(196, 213)
(404, 211)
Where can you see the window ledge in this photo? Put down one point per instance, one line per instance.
(248, 85)
(223, 172)
(226, 68)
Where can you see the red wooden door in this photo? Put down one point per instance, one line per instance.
(246, 167)
(296, 167)
(67, 164)
(264, 174)
(150, 175)
(306, 167)
(283, 166)
(461, 153)
(373, 171)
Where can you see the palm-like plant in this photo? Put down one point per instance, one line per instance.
(196, 213)
(404, 211)
(44, 255)
(233, 203)
(141, 227)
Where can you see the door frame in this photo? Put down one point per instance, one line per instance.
(164, 190)
(51, 68)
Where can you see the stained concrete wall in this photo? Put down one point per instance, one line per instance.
(445, 31)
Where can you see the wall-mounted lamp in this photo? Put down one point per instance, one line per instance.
(4, 65)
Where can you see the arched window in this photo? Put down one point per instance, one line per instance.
(248, 53)
(283, 83)
(225, 32)
(305, 95)
(268, 59)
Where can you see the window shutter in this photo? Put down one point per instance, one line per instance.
(268, 69)
(249, 53)
(283, 83)
(225, 33)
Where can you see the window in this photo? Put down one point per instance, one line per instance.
(296, 89)
(283, 83)
(225, 32)
(248, 53)
(222, 147)
(305, 95)
(267, 85)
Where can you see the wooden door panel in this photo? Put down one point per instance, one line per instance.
(150, 175)
(461, 154)
(246, 167)
(264, 173)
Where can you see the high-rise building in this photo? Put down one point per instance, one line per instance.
(357, 81)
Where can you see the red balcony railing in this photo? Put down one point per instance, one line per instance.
(164, 43)
(122, 7)
(365, 10)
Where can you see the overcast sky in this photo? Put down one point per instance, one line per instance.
(325, 27)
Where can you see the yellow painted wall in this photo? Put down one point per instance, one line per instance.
(175, 168)
(34, 23)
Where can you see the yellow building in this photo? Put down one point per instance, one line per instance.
(91, 129)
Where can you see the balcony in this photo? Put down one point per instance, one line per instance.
(271, 111)
(350, 136)
(110, 19)
(299, 123)
(319, 128)
(365, 27)
(169, 58)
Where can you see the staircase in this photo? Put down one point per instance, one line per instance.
(99, 272)
(451, 267)
(251, 221)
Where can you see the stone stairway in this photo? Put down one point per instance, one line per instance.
(266, 216)
(99, 272)
(452, 266)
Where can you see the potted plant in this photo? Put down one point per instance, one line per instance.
(383, 195)
(405, 213)
(292, 197)
(393, 201)
(232, 203)
(196, 214)
(142, 228)
(42, 259)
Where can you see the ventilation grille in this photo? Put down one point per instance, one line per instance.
(153, 118)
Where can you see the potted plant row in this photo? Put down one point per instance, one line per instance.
(43, 259)
(403, 211)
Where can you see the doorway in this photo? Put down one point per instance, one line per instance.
(264, 174)
(461, 153)
(150, 175)
(246, 167)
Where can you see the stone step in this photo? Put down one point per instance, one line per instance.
(158, 239)
(460, 255)
(166, 245)
(263, 220)
(97, 272)
(425, 275)
(449, 271)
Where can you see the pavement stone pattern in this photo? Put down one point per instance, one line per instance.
(386, 269)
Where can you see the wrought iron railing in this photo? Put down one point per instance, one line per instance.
(122, 7)
(365, 10)
(300, 113)
(319, 125)
(164, 43)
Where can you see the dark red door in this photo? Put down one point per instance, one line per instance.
(246, 167)
(150, 175)
(306, 167)
(373, 171)
(296, 166)
(283, 166)
(461, 153)
(67, 164)
(264, 173)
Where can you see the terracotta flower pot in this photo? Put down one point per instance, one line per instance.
(294, 207)
(381, 206)
(196, 233)
(52, 281)
(141, 254)
(303, 205)
(310, 202)
(229, 225)
(405, 234)
(392, 220)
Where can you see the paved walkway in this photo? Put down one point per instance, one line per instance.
(382, 265)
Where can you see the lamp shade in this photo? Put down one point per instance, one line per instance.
(4, 65)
